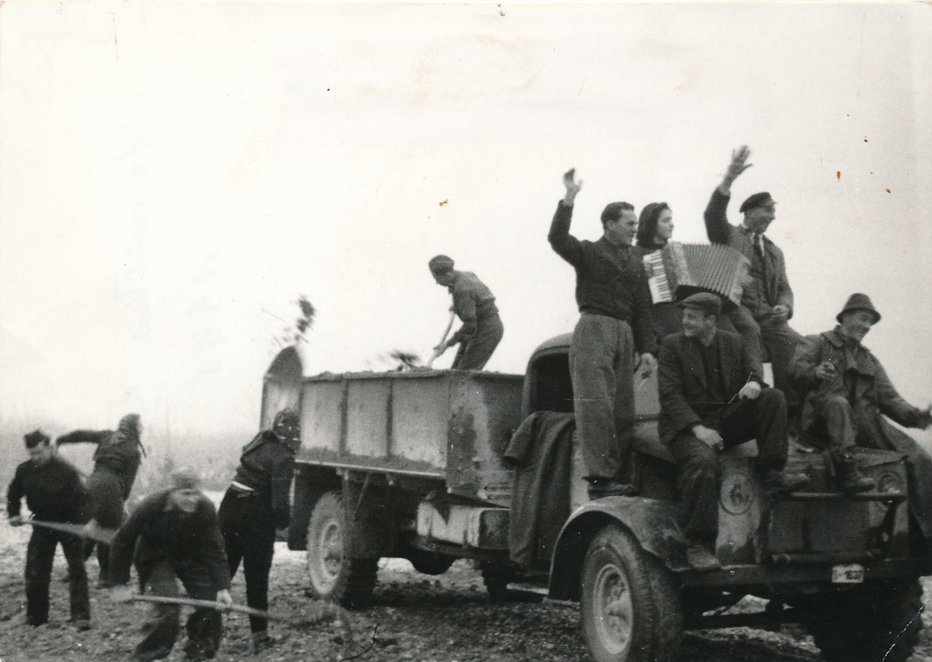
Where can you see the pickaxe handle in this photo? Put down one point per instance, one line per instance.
(211, 604)
(100, 535)
(319, 612)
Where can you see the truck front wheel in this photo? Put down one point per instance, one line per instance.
(623, 612)
(334, 576)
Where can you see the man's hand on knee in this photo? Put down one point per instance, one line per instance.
(750, 391)
(709, 437)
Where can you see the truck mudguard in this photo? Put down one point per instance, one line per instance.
(654, 523)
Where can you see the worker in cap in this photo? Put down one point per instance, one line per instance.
(474, 304)
(767, 299)
(712, 397)
(848, 397)
(175, 535)
(54, 492)
(254, 506)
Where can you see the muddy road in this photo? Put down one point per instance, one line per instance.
(415, 617)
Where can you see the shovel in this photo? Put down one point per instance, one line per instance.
(443, 339)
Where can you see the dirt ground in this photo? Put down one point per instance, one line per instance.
(415, 617)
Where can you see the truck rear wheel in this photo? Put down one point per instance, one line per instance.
(334, 576)
(869, 623)
(630, 609)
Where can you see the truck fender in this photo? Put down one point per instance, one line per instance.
(309, 484)
(656, 524)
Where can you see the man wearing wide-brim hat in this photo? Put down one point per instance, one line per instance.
(712, 396)
(848, 394)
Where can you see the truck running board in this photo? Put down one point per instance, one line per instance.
(841, 496)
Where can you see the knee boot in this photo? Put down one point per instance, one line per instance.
(850, 478)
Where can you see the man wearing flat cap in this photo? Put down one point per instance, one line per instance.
(848, 394)
(173, 534)
(712, 397)
(767, 300)
(612, 340)
(54, 493)
(474, 304)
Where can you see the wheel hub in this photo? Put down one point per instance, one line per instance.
(615, 615)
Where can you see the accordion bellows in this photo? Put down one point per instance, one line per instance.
(678, 270)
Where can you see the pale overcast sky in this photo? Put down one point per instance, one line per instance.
(174, 175)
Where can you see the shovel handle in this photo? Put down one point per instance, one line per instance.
(436, 353)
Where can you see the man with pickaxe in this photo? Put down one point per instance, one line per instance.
(57, 498)
(173, 534)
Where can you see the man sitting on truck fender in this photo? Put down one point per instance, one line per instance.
(711, 397)
(848, 395)
(614, 325)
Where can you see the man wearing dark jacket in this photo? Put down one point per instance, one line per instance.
(54, 493)
(614, 327)
(254, 506)
(712, 397)
(767, 301)
(116, 462)
(175, 536)
(848, 394)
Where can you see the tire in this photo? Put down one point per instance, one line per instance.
(496, 578)
(630, 607)
(668, 607)
(869, 623)
(333, 576)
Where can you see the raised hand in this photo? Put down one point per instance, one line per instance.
(572, 185)
(738, 164)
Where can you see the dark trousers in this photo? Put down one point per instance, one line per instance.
(700, 473)
(602, 370)
(248, 529)
(779, 340)
(475, 352)
(843, 427)
(204, 626)
(106, 492)
(39, 556)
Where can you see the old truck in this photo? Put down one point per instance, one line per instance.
(411, 465)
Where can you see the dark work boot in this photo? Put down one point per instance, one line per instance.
(778, 482)
(261, 641)
(850, 478)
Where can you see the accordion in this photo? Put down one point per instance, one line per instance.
(678, 270)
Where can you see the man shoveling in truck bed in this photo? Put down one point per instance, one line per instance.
(474, 304)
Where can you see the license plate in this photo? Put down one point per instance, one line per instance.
(851, 573)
